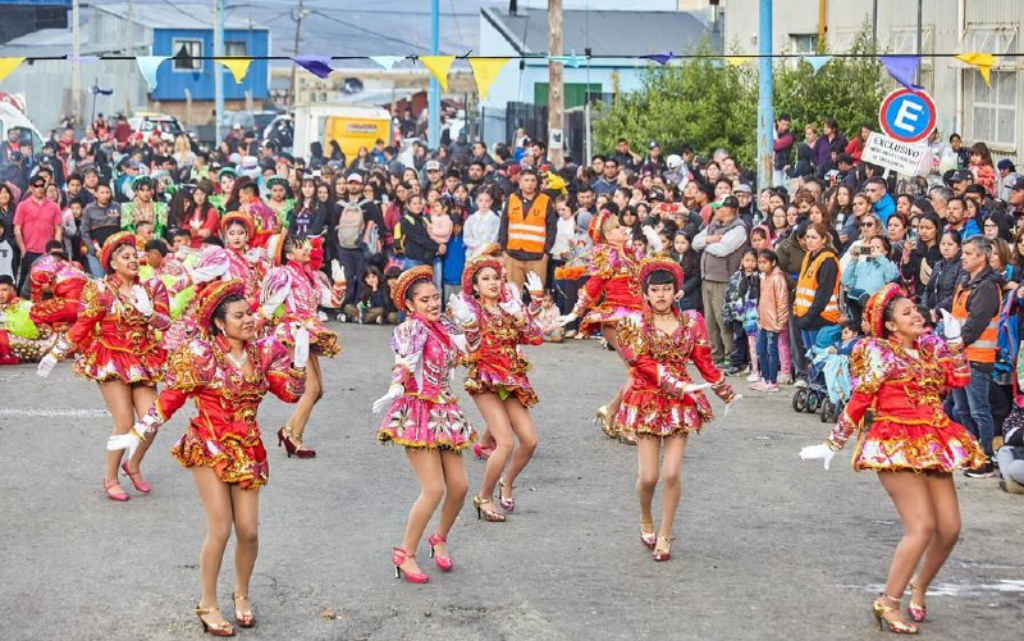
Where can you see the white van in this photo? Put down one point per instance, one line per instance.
(12, 118)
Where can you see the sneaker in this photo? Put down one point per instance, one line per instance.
(785, 378)
(1010, 486)
(770, 387)
(342, 318)
(754, 376)
(986, 471)
(321, 316)
(733, 371)
(758, 386)
(801, 383)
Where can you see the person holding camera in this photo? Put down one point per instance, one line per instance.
(868, 272)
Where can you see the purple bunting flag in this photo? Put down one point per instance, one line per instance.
(903, 69)
(319, 66)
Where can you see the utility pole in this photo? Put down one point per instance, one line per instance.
(434, 94)
(920, 36)
(556, 103)
(295, 50)
(218, 73)
(76, 66)
(765, 106)
(129, 50)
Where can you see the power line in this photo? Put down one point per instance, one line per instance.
(370, 32)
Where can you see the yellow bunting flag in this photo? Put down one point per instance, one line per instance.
(439, 66)
(735, 61)
(7, 65)
(485, 70)
(237, 66)
(983, 62)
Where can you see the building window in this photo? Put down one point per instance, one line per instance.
(994, 110)
(188, 55)
(235, 49)
(803, 43)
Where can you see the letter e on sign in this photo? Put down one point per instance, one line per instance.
(907, 116)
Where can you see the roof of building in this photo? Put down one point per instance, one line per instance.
(57, 42)
(606, 33)
(176, 16)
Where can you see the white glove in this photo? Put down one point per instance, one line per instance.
(951, 328)
(337, 272)
(461, 310)
(818, 452)
(142, 301)
(653, 239)
(118, 442)
(46, 365)
(690, 388)
(393, 392)
(300, 355)
(512, 307)
(565, 320)
(3, 318)
(534, 286)
(210, 267)
(730, 405)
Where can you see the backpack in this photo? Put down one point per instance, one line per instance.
(372, 245)
(350, 228)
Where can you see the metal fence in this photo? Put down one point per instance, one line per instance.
(500, 125)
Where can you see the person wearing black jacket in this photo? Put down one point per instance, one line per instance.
(415, 243)
(946, 273)
(371, 214)
(311, 215)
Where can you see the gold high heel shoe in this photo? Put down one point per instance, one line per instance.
(648, 538)
(224, 629)
(244, 618)
(663, 548)
(880, 609)
(917, 611)
(485, 510)
(606, 421)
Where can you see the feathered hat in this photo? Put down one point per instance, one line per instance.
(594, 230)
(659, 263)
(239, 217)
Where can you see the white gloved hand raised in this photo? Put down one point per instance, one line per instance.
(822, 451)
(46, 365)
(394, 392)
(653, 239)
(951, 327)
(300, 355)
(565, 320)
(142, 301)
(461, 310)
(129, 441)
(337, 272)
(534, 286)
(512, 307)
(728, 406)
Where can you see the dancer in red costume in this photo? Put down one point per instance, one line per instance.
(21, 340)
(902, 372)
(299, 290)
(247, 265)
(495, 324)
(119, 348)
(661, 406)
(56, 285)
(227, 373)
(611, 294)
(424, 417)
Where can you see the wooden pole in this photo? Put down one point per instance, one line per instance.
(556, 102)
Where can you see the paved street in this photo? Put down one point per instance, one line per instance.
(768, 546)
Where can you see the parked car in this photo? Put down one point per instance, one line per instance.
(251, 120)
(146, 122)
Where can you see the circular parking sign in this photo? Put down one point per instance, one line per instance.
(907, 116)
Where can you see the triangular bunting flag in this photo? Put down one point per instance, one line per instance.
(903, 69)
(571, 60)
(438, 66)
(660, 58)
(7, 65)
(148, 66)
(735, 61)
(817, 62)
(319, 66)
(983, 62)
(237, 66)
(485, 70)
(386, 62)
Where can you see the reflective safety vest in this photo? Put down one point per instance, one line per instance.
(527, 231)
(985, 348)
(807, 285)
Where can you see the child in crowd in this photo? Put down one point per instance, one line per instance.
(773, 319)
(683, 253)
(481, 228)
(391, 313)
(454, 260)
(981, 167)
(741, 313)
(439, 228)
(369, 306)
(565, 235)
(547, 319)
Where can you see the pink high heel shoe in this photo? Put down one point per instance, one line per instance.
(119, 495)
(648, 539)
(507, 504)
(400, 556)
(917, 612)
(444, 563)
(136, 478)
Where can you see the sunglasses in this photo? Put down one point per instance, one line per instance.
(38, 186)
(867, 224)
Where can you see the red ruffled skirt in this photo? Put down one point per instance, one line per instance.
(237, 455)
(100, 363)
(923, 447)
(481, 380)
(605, 314)
(652, 413)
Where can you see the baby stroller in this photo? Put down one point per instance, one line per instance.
(814, 396)
(836, 368)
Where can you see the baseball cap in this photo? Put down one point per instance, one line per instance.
(960, 176)
(1018, 184)
(653, 145)
(674, 161)
(742, 188)
(730, 201)
(1005, 163)
(432, 165)
(354, 178)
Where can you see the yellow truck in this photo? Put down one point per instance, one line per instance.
(352, 128)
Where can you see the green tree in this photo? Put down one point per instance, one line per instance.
(708, 104)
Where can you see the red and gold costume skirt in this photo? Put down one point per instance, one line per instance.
(237, 455)
(102, 363)
(924, 447)
(483, 379)
(653, 413)
(419, 423)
